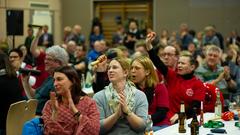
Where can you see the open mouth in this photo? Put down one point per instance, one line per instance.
(133, 76)
(179, 69)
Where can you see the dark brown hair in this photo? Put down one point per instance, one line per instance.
(72, 75)
(5, 64)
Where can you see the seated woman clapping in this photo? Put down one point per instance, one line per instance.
(69, 111)
(123, 108)
(146, 79)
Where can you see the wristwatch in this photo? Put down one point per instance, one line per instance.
(76, 115)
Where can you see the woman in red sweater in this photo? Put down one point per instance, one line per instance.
(182, 84)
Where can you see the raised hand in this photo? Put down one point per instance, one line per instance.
(25, 77)
(54, 101)
(68, 96)
(54, 104)
(226, 72)
(39, 33)
(150, 37)
(101, 66)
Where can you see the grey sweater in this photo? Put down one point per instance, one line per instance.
(122, 126)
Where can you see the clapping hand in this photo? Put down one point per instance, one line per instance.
(39, 33)
(68, 95)
(54, 104)
(123, 103)
(226, 73)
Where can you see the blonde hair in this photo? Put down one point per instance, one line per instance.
(213, 48)
(124, 63)
(117, 50)
(152, 79)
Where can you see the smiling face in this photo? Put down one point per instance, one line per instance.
(138, 72)
(61, 83)
(184, 66)
(212, 58)
(115, 72)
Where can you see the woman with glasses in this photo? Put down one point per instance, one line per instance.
(10, 91)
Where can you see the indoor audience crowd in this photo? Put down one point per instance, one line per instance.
(137, 77)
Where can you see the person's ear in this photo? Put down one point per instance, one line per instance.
(192, 67)
(126, 73)
(147, 72)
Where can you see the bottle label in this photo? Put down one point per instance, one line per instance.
(218, 110)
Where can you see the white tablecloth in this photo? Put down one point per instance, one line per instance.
(173, 130)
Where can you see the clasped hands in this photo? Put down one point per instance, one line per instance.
(122, 106)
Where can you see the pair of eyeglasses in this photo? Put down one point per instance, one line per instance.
(167, 54)
(13, 57)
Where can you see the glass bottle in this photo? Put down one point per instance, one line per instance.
(218, 106)
(182, 119)
(149, 130)
(201, 115)
(83, 81)
(194, 125)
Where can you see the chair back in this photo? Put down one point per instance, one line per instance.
(30, 109)
(18, 114)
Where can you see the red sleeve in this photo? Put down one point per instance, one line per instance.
(200, 90)
(40, 59)
(90, 121)
(162, 96)
(66, 124)
(52, 127)
(171, 76)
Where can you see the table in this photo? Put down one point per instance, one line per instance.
(173, 130)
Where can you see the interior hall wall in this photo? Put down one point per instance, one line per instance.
(78, 12)
(54, 6)
(224, 14)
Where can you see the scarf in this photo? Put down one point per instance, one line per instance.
(113, 97)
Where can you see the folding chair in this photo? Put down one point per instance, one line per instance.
(18, 114)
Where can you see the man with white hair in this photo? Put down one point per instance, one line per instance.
(55, 57)
(71, 48)
(212, 72)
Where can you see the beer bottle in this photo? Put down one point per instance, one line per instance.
(218, 106)
(83, 83)
(201, 115)
(194, 125)
(182, 119)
